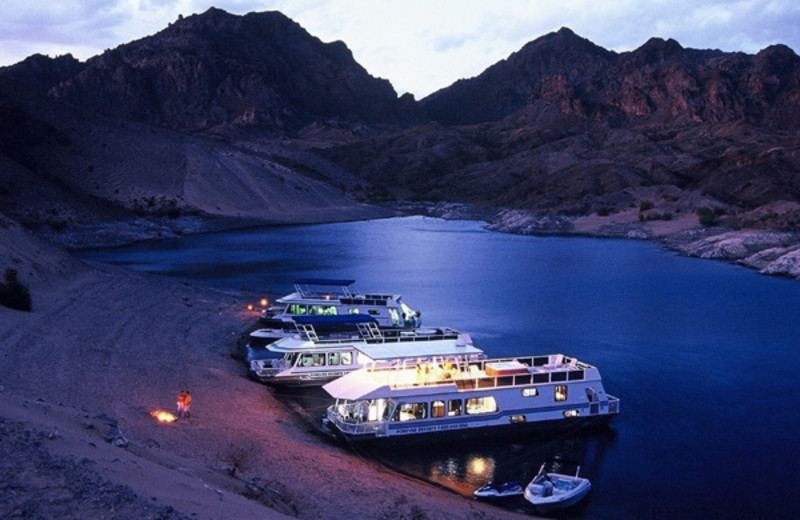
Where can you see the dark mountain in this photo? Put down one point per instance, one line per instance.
(563, 126)
(660, 82)
(509, 85)
(261, 71)
(252, 110)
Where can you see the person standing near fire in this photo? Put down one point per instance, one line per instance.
(184, 402)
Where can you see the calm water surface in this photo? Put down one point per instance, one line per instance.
(704, 355)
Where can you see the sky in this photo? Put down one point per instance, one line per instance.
(420, 46)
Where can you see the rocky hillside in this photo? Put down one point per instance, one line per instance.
(261, 71)
(660, 83)
(252, 117)
(563, 126)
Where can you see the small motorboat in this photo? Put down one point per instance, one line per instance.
(550, 492)
(493, 491)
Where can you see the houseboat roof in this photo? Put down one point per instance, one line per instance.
(420, 349)
(324, 281)
(367, 384)
(358, 385)
(337, 319)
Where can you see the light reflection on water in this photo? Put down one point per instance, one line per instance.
(703, 354)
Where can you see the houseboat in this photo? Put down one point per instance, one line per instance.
(310, 359)
(468, 399)
(330, 297)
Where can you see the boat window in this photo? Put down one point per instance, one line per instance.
(347, 358)
(312, 360)
(334, 358)
(576, 375)
(374, 312)
(540, 361)
(558, 376)
(322, 310)
(561, 392)
(353, 311)
(541, 378)
(411, 411)
(572, 413)
(437, 409)
(516, 419)
(476, 405)
(296, 308)
(530, 392)
(454, 407)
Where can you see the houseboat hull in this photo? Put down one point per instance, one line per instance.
(472, 400)
(303, 362)
(457, 434)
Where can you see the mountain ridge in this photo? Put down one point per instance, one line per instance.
(253, 117)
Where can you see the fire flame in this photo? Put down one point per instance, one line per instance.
(162, 416)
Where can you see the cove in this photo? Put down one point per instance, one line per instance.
(702, 354)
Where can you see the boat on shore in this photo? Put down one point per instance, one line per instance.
(324, 297)
(469, 399)
(310, 359)
(492, 491)
(549, 492)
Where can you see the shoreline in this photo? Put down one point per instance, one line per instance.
(103, 347)
(773, 253)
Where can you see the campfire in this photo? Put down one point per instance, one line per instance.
(163, 416)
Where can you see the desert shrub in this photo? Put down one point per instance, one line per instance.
(13, 293)
(645, 205)
(707, 217)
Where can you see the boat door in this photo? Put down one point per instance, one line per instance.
(394, 317)
(594, 405)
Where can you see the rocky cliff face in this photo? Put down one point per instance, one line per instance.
(251, 116)
(261, 71)
(658, 83)
(566, 127)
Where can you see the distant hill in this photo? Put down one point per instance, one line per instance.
(659, 83)
(563, 126)
(252, 117)
(260, 71)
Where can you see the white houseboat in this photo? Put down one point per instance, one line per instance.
(329, 297)
(470, 399)
(309, 359)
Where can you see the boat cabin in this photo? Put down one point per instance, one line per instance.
(466, 396)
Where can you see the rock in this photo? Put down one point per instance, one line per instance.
(787, 264)
(736, 245)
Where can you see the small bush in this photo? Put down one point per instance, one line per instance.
(646, 205)
(13, 294)
(707, 217)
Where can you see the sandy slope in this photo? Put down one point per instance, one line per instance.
(105, 346)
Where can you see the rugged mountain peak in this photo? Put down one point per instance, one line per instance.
(562, 79)
(215, 70)
(658, 49)
(508, 86)
(41, 72)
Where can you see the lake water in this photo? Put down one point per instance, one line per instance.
(704, 355)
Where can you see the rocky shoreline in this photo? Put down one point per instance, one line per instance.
(768, 252)
(773, 253)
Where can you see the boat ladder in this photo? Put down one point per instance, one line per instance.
(308, 330)
(369, 330)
